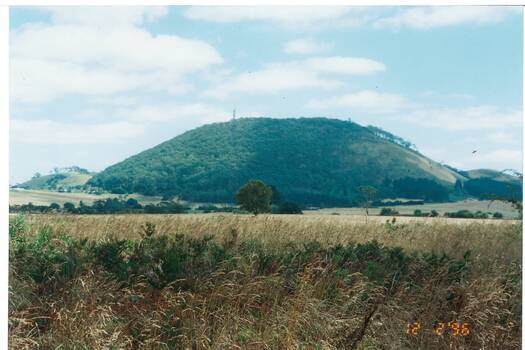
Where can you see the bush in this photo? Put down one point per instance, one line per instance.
(46, 257)
(497, 215)
(54, 206)
(464, 214)
(467, 214)
(69, 207)
(17, 225)
(418, 212)
(481, 215)
(388, 212)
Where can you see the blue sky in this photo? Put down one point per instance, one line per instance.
(92, 86)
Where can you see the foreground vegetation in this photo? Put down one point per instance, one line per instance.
(266, 282)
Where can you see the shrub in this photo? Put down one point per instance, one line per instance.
(388, 212)
(480, 215)
(54, 206)
(47, 258)
(418, 212)
(465, 214)
(69, 207)
(17, 225)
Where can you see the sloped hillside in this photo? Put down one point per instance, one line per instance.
(314, 161)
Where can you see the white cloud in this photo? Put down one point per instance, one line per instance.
(120, 49)
(366, 101)
(433, 17)
(501, 158)
(271, 80)
(467, 118)
(105, 15)
(189, 115)
(50, 61)
(318, 17)
(306, 46)
(337, 65)
(308, 73)
(37, 81)
(51, 132)
(295, 15)
(198, 112)
(512, 136)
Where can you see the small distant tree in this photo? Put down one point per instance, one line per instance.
(68, 206)
(515, 199)
(388, 212)
(54, 206)
(133, 203)
(36, 176)
(368, 193)
(255, 197)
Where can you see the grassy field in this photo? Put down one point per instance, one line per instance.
(472, 205)
(43, 197)
(265, 282)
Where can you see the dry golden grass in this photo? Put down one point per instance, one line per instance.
(241, 309)
(494, 239)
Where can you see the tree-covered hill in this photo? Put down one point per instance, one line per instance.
(313, 161)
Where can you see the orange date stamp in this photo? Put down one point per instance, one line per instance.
(452, 328)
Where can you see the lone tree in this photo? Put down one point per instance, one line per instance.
(368, 193)
(255, 197)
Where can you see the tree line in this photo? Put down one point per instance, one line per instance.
(104, 206)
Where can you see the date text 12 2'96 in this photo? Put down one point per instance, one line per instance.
(453, 328)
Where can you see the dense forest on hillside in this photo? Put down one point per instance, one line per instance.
(313, 161)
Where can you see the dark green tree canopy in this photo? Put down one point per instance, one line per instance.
(255, 197)
(69, 206)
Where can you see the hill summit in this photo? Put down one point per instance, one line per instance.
(313, 161)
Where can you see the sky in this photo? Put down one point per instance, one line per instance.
(91, 86)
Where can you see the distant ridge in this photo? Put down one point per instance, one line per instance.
(62, 179)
